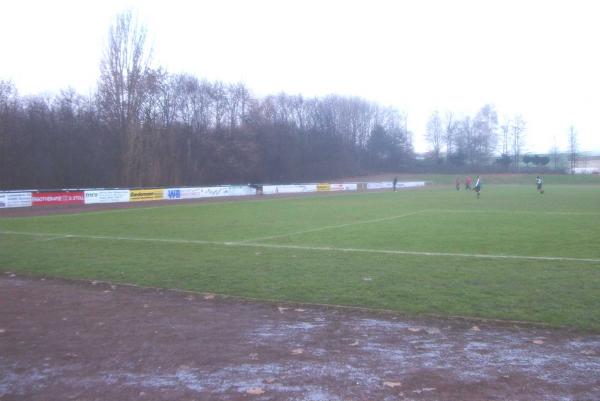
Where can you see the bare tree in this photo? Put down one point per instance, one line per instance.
(450, 133)
(219, 103)
(555, 154)
(518, 138)
(435, 133)
(572, 148)
(122, 88)
(463, 140)
(485, 125)
(505, 127)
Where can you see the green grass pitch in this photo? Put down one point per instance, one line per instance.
(513, 254)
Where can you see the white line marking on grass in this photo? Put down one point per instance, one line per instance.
(309, 248)
(55, 238)
(567, 213)
(311, 230)
(417, 253)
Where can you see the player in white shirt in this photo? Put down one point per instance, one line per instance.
(478, 186)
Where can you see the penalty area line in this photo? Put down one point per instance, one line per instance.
(56, 237)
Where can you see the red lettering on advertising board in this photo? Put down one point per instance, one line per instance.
(57, 198)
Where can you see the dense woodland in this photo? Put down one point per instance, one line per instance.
(147, 127)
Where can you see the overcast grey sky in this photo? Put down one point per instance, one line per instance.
(537, 58)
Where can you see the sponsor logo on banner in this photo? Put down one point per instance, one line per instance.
(323, 187)
(17, 199)
(107, 196)
(208, 192)
(337, 187)
(58, 198)
(172, 193)
(3, 200)
(141, 195)
(195, 193)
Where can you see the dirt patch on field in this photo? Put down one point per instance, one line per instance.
(62, 340)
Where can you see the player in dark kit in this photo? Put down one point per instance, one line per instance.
(538, 182)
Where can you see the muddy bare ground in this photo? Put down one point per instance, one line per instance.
(76, 340)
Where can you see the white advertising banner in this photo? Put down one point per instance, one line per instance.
(15, 199)
(390, 185)
(379, 185)
(410, 184)
(208, 192)
(241, 190)
(106, 196)
(586, 170)
(289, 189)
(342, 187)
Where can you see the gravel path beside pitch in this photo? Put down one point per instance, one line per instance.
(62, 340)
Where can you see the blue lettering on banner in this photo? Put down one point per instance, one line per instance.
(174, 194)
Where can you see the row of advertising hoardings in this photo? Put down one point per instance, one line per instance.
(27, 199)
(96, 196)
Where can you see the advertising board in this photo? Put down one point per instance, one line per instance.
(106, 196)
(241, 190)
(142, 195)
(58, 198)
(342, 187)
(323, 187)
(289, 189)
(410, 184)
(379, 185)
(15, 199)
(208, 192)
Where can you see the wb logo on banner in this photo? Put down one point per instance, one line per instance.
(174, 194)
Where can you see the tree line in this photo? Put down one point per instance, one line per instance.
(475, 140)
(147, 127)
(186, 131)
